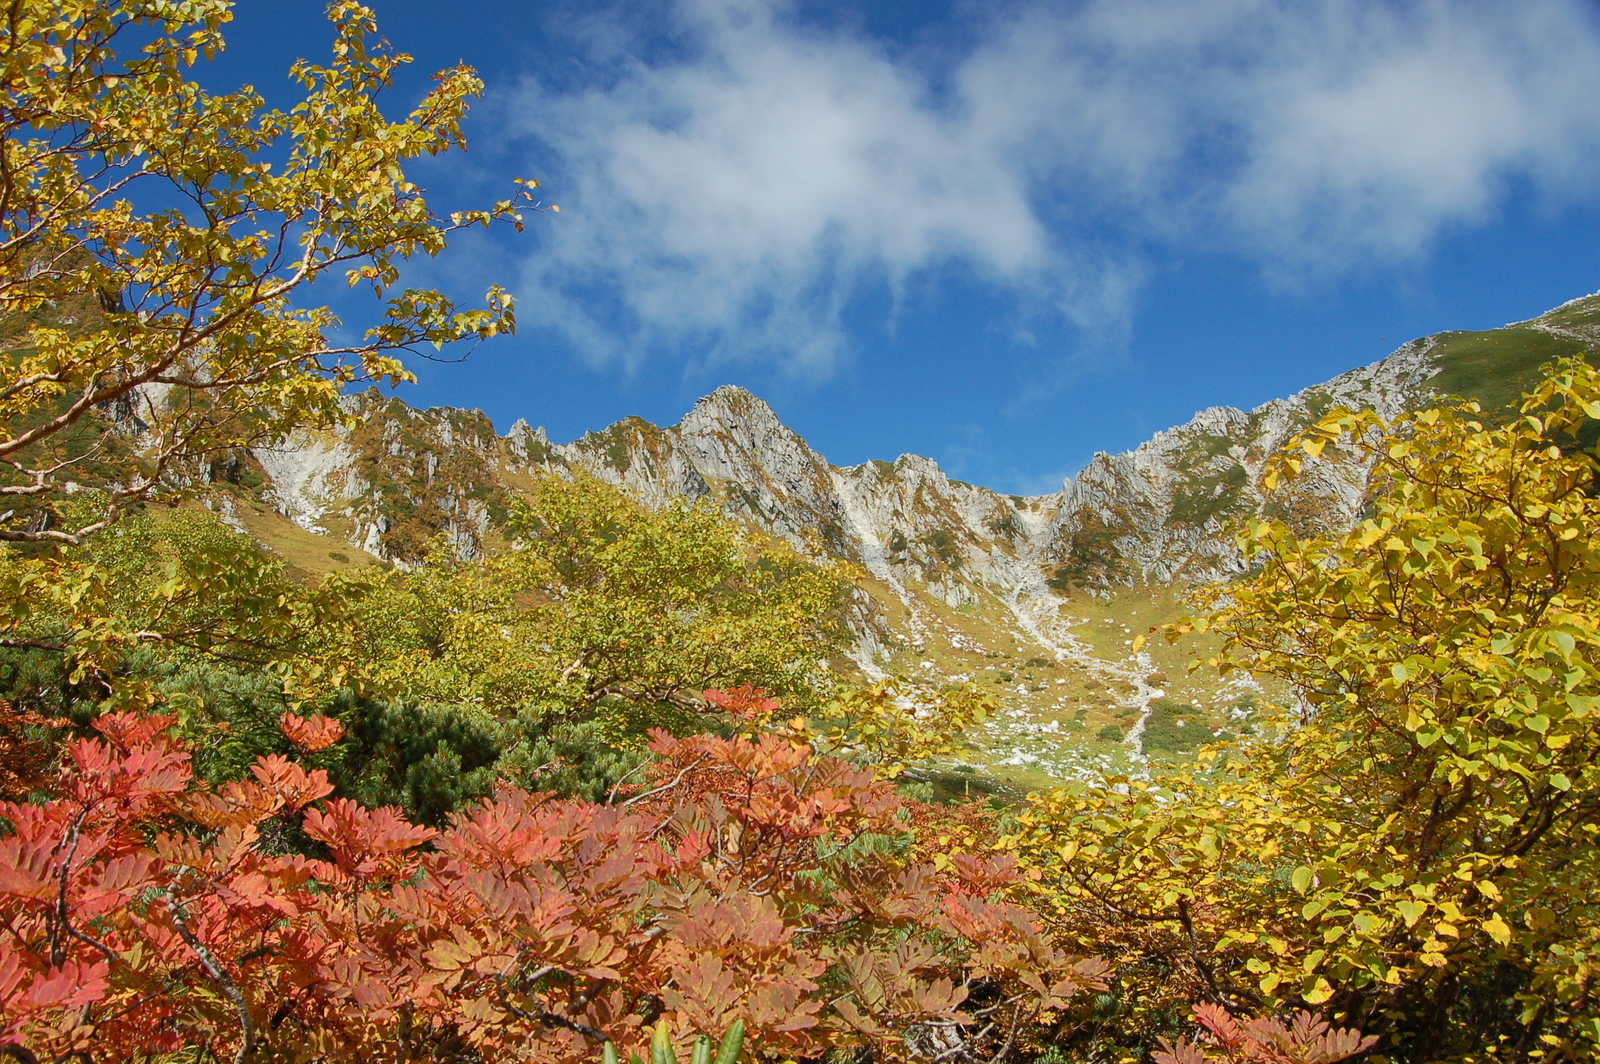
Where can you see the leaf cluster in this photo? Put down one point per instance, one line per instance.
(142, 911)
(1410, 847)
(196, 221)
(600, 604)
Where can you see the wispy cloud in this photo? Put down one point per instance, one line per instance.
(731, 195)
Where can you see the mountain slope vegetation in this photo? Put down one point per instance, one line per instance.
(669, 738)
(1036, 598)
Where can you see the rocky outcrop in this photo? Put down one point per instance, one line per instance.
(398, 479)
(1164, 510)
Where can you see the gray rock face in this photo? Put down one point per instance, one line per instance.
(1160, 512)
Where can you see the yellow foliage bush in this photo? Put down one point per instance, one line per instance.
(1411, 847)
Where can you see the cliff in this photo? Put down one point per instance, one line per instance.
(959, 581)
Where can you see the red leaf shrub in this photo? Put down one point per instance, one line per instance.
(1305, 1039)
(311, 734)
(141, 911)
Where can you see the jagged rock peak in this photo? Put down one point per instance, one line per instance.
(520, 429)
(731, 404)
(733, 396)
(732, 417)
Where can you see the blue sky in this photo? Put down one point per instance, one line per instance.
(1005, 234)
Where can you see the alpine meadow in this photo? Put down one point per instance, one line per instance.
(338, 731)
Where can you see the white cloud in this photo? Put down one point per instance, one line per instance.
(732, 200)
(1372, 133)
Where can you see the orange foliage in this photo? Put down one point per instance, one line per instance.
(24, 758)
(1305, 1039)
(750, 879)
(311, 734)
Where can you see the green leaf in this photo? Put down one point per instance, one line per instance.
(1582, 705)
(1301, 879)
(1367, 923)
(732, 1044)
(661, 1044)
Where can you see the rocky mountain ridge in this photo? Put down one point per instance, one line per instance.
(1157, 513)
(1038, 595)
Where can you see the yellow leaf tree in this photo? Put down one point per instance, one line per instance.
(156, 241)
(553, 656)
(1412, 847)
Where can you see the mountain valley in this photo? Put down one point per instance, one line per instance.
(1037, 598)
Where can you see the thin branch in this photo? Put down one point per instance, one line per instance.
(667, 787)
(218, 975)
(611, 798)
(58, 949)
(33, 644)
(545, 1017)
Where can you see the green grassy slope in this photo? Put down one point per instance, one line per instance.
(1496, 366)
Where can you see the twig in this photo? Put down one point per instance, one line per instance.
(548, 1018)
(611, 798)
(58, 953)
(214, 969)
(667, 787)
